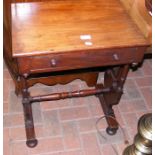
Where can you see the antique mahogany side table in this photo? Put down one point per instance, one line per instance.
(46, 40)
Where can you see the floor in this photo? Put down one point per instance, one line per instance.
(68, 127)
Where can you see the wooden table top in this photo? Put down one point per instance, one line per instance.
(69, 25)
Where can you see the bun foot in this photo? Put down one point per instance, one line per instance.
(31, 143)
(111, 131)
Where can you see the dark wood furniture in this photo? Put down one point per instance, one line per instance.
(58, 41)
(148, 4)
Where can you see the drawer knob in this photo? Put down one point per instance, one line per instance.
(115, 56)
(53, 62)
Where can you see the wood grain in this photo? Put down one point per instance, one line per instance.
(80, 59)
(67, 36)
(140, 15)
(148, 4)
(56, 26)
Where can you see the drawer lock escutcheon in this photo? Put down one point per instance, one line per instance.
(53, 62)
(116, 57)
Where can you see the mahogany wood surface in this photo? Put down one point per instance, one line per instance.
(64, 78)
(67, 25)
(71, 94)
(60, 36)
(137, 10)
(80, 59)
(148, 4)
(89, 77)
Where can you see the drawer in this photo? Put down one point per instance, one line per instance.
(79, 59)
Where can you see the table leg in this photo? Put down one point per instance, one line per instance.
(113, 78)
(29, 124)
(109, 95)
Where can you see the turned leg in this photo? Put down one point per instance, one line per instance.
(29, 124)
(113, 78)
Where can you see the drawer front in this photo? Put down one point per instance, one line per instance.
(77, 60)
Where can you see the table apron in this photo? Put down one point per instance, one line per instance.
(78, 60)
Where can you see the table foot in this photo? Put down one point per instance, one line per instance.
(111, 131)
(32, 143)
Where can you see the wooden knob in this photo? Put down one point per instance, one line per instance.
(53, 62)
(115, 56)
